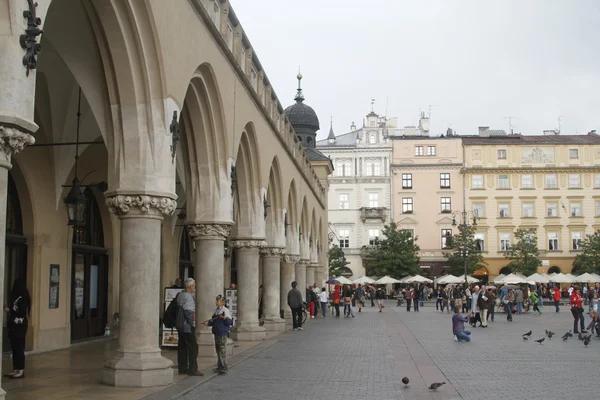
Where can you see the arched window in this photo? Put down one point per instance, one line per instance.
(554, 270)
(506, 271)
(377, 168)
(369, 168)
(372, 139)
(346, 272)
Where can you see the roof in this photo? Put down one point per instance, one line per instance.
(315, 155)
(590, 138)
(345, 140)
(300, 114)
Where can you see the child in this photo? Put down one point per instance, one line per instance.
(458, 326)
(221, 322)
(594, 302)
(535, 300)
(594, 323)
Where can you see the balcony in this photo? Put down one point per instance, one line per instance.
(373, 213)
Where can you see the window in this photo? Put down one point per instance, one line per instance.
(527, 181)
(372, 139)
(406, 181)
(598, 209)
(373, 199)
(229, 37)
(503, 182)
(597, 181)
(574, 181)
(552, 209)
(373, 236)
(407, 205)
(445, 181)
(573, 154)
(254, 78)
(376, 168)
(504, 210)
(344, 236)
(369, 168)
(431, 150)
(551, 181)
(477, 181)
(418, 150)
(576, 210)
(501, 154)
(243, 60)
(344, 201)
(446, 234)
(552, 241)
(576, 240)
(479, 210)
(479, 241)
(445, 204)
(528, 210)
(343, 167)
(504, 241)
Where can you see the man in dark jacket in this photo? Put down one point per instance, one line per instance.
(294, 300)
(221, 323)
(187, 347)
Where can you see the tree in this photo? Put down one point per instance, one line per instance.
(335, 267)
(396, 254)
(589, 259)
(465, 239)
(524, 253)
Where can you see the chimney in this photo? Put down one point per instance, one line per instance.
(484, 131)
(550, 132)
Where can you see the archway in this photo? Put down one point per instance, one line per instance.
(89, 275)
(347, 272)
(482, 274)
(554, 270)
(506, 271)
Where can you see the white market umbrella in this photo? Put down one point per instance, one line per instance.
(342, 280)
(449, 280)
(538, 278)
(386, 280)
(419, 279)
(587, 277)
(406, 278)
(498, 279)
(363, 280)
(561, 278)
(513, 279)
(470, 279)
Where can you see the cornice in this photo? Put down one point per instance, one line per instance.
(426, 166)
(529, 170)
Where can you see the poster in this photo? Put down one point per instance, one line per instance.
(169, 335)
(231, 303)
(54, 285)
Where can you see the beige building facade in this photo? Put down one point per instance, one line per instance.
(548, 183)
(175, 111)
(427, 187)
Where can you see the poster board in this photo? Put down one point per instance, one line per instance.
(231, 303)
(54, 286)
(169, 336)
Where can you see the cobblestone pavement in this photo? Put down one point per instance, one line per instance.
(366, 357)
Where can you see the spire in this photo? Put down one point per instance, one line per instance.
(299, 96)
(331, 136)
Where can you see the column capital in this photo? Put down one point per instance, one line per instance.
(248, 243)
(209, 231)
(153, 206)
(303, 262)
(13, 140)
(291, 258)
(271, 251)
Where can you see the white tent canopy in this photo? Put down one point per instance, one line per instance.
(342, 280)
(470, 279)
(587, 277)
(363, 280)
(386, 280)
(406, 278)
(418, 279)
(539, 278)
(561, 278)
(448, 280)
(514, 280)
(498, 279)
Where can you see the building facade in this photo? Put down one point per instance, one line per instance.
(548, 183)
(359, 193)
(427, 187)
(187, 165)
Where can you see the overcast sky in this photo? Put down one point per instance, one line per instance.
(476, 62)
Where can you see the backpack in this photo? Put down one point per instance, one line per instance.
(170, 315)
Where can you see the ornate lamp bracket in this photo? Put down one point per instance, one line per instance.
(28, 40)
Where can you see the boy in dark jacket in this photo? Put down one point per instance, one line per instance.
(221, 323)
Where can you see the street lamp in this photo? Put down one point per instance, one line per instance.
(464, 216)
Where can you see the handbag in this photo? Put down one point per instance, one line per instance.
(347, 299)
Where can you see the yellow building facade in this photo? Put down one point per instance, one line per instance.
(550, 184)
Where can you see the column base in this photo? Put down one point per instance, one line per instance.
(2, 394)
(139, 369)
(206, 344)
(229, 347)
(287, 317)
(248, 332)
(274, 325)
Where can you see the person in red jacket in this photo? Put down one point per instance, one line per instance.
(577, 310)
(556, 298)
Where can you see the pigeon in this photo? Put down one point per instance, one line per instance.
(550, 334)
(586, 341)
(436, 385)
(405, 381)
(540, 340)
(525, 338)
(527, 334)
(565, 337)
(580, 337)
(569, 334)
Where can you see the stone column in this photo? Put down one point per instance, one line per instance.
(210, 278)
(310, 274)
(301, 277)
(288, 275)
(271, 292)
(139, 362)
(12, 141)
(247, 259)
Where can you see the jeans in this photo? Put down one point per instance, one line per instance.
(297, 317)
(536, 308)
(348, 310)
(577, 316)
(484, 314)
(323, 308)
(508, 308)
(416, 305)
(17, 345)
(463, 336)
(520, 307)
(337, 309)
(408, 301)
(556, 303)
(187, 353)
(438, 303)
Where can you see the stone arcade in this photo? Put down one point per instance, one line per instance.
(219, 207)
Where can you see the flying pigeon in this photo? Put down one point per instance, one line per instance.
(436, 385)
(405, 381)
(550, 334)
(586, 341)
(540, 340)
(527, 334)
